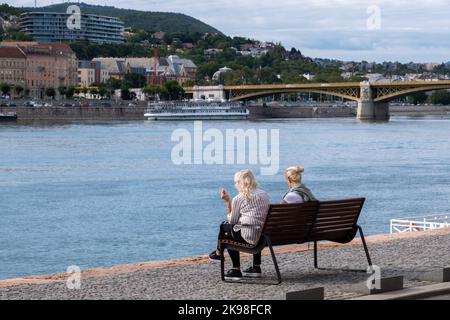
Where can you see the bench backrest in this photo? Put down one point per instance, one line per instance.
(337, 220)
(290, 223)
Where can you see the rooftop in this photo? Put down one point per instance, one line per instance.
(12, 52)
(39, 47)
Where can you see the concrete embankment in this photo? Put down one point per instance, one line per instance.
(117, 112)
(417, 111)
(329, 111)
(78, 113)
(405, 255)
(311, 111)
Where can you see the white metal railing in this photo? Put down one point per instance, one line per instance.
(416, 224)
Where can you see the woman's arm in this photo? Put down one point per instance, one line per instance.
(233, 217)
(224, 195)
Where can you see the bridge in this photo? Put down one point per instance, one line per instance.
(373, 98)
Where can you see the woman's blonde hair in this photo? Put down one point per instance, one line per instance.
(245, 183)
(294, 174)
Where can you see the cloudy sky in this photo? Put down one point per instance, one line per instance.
(407, 30)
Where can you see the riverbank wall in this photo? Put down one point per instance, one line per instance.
(117, 112)
(78, 113)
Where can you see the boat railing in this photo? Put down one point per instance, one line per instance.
(182, 104)
(423, 223)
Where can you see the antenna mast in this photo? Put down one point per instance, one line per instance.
(155, 66)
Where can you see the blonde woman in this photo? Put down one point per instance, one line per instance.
(246, 217)
(298, 192)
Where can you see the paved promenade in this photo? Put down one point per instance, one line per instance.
(196, 278)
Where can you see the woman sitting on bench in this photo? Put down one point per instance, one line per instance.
(246, 217)
(298, 192)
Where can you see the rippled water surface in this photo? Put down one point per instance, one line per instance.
(100, 194)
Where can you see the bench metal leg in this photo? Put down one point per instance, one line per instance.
(365, 246)
(222, 263)
(366, 250)
(315, 255)
(274, 259)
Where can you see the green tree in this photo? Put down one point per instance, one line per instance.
(189, 83)
(50, 92)
(153, 91)
(174, 90)
(113, 83)
(62, 90)
(70, 92)
(135, 80)
(5, 88)
(93, 91)
(18, 89)
(20, 36)
(102, 91)
(440, 97)
(417, 98)
(207, 70)
(125, 94)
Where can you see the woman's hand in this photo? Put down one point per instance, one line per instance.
(224, 195)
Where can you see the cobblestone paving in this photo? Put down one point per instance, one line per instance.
(405, 257)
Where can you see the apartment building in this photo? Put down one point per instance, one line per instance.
(12, 66)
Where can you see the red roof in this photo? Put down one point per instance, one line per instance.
(39, 47)
(12, 52)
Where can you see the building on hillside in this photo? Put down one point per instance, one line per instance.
(137, 65)
(219, 75)
(48, 65)
(52, 27)
(308, 76)
(12, 66)
(188, 46)
(212, 52)
(90, 73)
(115, 67)
(170, 68)
(182, 69)
(159, 35)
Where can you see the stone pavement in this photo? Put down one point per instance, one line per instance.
(196, 278)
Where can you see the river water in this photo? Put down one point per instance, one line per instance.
(98, 194)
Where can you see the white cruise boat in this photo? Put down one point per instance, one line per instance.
(196, 110)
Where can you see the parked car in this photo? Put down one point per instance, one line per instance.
(37, 105)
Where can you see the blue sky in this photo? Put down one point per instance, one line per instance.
(409, 30)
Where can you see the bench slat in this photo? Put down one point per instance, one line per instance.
(321, 215)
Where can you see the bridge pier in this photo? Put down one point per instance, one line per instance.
(369, 110)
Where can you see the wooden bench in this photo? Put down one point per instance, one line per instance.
(286, 224)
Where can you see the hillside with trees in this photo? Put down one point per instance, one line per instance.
(144, 20)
